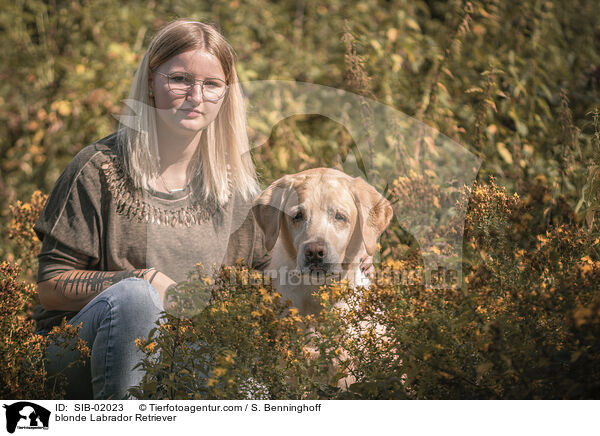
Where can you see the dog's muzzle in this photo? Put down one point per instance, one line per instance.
(315, 256)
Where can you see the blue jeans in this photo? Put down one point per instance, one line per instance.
(111, 323)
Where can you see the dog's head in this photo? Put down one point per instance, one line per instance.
(323, 217)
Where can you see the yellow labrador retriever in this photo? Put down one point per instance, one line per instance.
(319, 223)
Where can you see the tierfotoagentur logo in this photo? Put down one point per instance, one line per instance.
(24, 415)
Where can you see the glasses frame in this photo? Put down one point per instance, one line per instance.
(168, 76)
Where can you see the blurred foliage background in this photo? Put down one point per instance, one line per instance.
(515, 82)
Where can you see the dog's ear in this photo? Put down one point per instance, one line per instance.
(268, 209)
(374, 212)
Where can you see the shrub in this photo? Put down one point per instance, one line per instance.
(22, 369)
(525, 324)
(246, 343)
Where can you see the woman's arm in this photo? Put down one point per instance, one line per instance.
(72, 290)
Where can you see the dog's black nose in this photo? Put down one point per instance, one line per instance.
(315, 252)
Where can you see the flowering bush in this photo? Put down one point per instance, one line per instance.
(22, 369)
(525, 324)
(20, 231)
(246, 343)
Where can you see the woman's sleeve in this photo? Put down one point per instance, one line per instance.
(69, 225)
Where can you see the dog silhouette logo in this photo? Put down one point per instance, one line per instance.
(26, 415)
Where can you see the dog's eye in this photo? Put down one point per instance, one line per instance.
(298, 217)
(340, 217)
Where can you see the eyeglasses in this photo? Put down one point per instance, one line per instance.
(182, 84)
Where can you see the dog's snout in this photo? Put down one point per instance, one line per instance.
(315, 252)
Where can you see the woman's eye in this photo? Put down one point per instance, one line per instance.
(214, 84)
(298, 217)
(179, 78)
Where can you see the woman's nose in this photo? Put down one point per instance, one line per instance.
(195, 93)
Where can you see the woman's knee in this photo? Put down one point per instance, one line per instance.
(134, 298)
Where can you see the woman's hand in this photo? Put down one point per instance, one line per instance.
(161, 282)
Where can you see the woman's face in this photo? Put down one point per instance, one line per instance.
(181, 114)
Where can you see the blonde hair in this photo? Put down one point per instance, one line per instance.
(223, 154)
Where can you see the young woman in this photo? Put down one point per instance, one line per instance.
(134, 212)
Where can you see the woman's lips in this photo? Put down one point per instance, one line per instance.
(191, 113)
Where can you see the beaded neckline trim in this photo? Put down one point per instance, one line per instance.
(130, 201)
